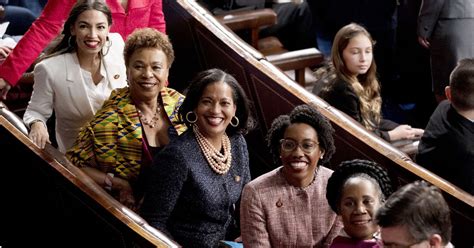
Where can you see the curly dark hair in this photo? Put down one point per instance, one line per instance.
(207, 77)
(357, 168)
(148, 38)
(302, 114)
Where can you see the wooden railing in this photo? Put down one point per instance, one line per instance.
(48, 202)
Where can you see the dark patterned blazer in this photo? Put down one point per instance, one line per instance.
(186, 199)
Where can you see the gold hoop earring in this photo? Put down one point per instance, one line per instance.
(236, 121)
(191, 121)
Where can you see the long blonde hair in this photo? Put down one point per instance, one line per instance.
(366, 86)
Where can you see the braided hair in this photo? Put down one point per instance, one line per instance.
(357, 168)
(307, 115)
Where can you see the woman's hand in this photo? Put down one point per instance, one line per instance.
(125, 193)
(405, 132)
(39, 134)
(4, 51)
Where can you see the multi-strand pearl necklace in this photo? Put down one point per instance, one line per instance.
(151, 123)
(220, 163)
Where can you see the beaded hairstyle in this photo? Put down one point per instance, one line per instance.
(199, 84)
(302, 114)
(357, 168)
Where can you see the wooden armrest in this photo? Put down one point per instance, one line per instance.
(248, 19)
(298, 61)
(252, 20)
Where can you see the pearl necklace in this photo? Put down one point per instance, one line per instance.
(219, 163)
(151, 123)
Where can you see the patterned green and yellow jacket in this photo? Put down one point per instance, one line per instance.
(112, 141)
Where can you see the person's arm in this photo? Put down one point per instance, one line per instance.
(427, 19)
(116, 184)
(40, 107)
(252, 220)
(40, 34)
(157, 18)
(165, 182)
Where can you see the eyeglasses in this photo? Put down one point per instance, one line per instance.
(307, 146)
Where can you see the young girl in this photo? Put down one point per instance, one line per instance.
(356, 90)
(355, 191)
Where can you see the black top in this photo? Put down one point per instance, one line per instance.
(342, 96)
(447, 147)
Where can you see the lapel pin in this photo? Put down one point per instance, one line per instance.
(279, 203)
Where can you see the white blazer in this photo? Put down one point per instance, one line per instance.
(59, 86)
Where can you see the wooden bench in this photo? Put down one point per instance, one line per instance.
(271, 47)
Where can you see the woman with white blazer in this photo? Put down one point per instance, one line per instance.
(77, 76)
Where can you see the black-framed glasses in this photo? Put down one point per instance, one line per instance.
(307, 146)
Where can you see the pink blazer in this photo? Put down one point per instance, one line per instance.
(275, 214)
(141, 13)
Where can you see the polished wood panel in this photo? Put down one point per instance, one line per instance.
(48, 202)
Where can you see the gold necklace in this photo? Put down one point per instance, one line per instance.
(151, 123)
(219, 163)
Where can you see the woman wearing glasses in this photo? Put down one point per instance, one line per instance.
(287, 207)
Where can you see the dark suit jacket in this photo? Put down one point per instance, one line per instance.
(186, 199)
(447, 147)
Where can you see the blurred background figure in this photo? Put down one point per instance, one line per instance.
(442, 26)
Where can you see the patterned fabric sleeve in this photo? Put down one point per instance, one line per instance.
(253, 220)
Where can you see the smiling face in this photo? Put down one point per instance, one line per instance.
(360, 200)
(298, 166)
(147, 72)
(215, 110)
(358, 55)
(90, 29)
